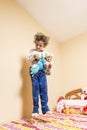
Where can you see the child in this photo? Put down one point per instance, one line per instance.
(39, 81)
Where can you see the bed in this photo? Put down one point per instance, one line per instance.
(72, 100)
(54, 121)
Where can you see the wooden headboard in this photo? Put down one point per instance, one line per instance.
(74, 94)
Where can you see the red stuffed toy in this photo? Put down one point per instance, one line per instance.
(60, 105)
(84, 95)
(84, 110)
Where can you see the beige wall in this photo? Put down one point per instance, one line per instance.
(17, 29)
(74, 63)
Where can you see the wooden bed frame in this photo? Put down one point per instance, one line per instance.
(74, 94)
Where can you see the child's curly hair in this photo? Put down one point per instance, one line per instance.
(41, 37)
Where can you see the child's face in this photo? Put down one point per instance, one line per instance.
(39, 45)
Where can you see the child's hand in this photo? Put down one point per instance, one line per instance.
(45, 65)
(48, 66)
(47, 73)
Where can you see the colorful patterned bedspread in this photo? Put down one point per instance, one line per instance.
(55, 121)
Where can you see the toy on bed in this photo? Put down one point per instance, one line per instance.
(71, 110)
(63, 107)
(84, 110)
(72, 103)
(84, 95)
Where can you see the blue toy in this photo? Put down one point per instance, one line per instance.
(38, 66)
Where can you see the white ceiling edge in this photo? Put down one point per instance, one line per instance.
(63, 19)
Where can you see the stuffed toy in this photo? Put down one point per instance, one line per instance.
(62, 107)
(33, 57)
(84, 110)
(48, 63)
(38, 66)
(44, 63)
(60, 104)
(84, 95)
(69, 111)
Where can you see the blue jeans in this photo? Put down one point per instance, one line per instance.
(39, 88)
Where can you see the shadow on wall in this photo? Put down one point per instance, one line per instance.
(26, 90)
